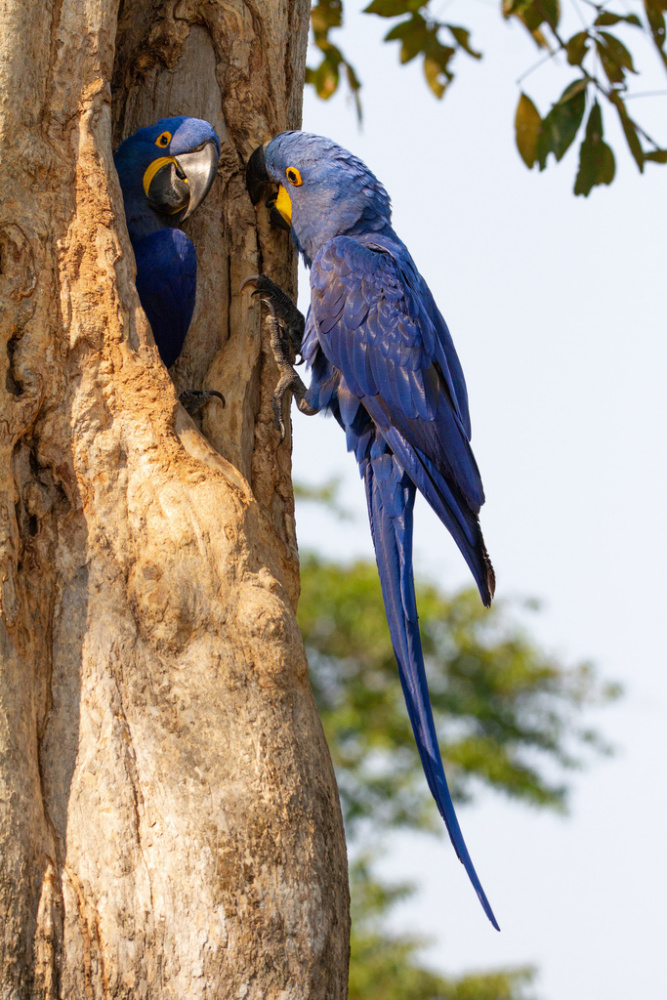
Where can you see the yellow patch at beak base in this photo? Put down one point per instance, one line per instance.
(153, 169)
(284, 205)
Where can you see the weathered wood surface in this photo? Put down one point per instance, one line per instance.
(169, 825)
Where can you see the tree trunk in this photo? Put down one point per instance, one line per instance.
(169, 823)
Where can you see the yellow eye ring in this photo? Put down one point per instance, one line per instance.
(294, 177)
(163, 139)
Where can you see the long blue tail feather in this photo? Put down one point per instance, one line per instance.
(390, 494)
(461, 522)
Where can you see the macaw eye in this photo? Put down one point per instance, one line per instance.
(163, 139)
(293, 176)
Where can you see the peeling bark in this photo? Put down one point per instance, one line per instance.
(169, 823)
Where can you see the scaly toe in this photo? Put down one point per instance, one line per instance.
(194, 400)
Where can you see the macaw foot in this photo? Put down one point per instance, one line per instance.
(287, 327)
(195, 400)
(282, 308)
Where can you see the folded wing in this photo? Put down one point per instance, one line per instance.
(377, 326)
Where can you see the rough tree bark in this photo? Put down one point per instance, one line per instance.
(169, 823)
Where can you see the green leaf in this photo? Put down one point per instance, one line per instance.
(656, 19)
(433, 73)
(562, 123)
(614, 57)
(353, 80)
(439, 53)
(393, 8)
(403, 28)
(656, 156)
(630, 130)
(548, 10)
(606, 18)
(462, 36)
(572, 89)
(577, 47)
(533, 13)
(413, 33)
(527, 125)
(325, 79)
(596, 160)
(326, 14)
(354, 84)
(618, 51)
(412, 45)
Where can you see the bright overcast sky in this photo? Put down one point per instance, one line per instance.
(556, 305)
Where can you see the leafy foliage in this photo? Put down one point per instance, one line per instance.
(324, 15)
(386, 966)
(326, 494)
(507, 714)
(602, 58)
(504, 710)
(596, 160)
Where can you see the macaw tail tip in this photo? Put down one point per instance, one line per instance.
(486, 906)
(490, 914)
(489, 590)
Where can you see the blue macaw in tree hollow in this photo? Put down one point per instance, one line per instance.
(383, 362)
(165, 172)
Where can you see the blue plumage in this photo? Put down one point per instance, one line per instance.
(383, 361)
(165, 172)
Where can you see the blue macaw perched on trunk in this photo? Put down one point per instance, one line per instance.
(383, 362)
(165, 172)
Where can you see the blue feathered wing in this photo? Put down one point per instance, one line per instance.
(167, 284)
(377, 324)
(390, 374)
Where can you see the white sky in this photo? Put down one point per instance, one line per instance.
(556, 305)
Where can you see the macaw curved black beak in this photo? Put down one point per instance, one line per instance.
(175, 184)
(257, 178)
(256, 174)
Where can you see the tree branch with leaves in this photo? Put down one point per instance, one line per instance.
(602, 59)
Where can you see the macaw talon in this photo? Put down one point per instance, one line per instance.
(282, 307)
(287, 328)
(194, 400)
(289, 380)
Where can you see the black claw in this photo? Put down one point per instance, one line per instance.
(287, 328)
(282, 306)
(278, 421)
(194, 400)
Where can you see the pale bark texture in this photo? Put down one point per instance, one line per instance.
(169, 822)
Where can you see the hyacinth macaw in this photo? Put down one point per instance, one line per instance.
(165, 172)
(383, 362)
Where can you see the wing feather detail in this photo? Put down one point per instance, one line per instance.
(373, 328)
(167, 283)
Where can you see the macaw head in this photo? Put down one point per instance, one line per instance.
(323, 192)
(167, 168)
